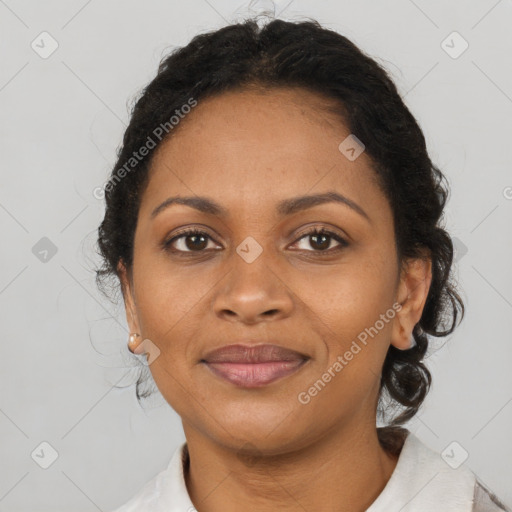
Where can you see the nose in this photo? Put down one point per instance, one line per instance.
(252, 293)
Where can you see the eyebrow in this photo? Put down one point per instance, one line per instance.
(285, 207)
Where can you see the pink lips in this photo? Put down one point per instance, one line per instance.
(253, 366)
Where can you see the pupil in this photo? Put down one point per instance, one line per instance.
(323, 245)
(194, 245)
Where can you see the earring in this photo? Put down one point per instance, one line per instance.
(133, 343)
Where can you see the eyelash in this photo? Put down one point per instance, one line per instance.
(167, 245)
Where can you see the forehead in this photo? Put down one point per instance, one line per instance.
(254, 147)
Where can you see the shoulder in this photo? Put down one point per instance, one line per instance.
(486, 501)
(423, 480)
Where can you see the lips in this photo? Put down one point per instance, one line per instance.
(253, 366)
(252, 354)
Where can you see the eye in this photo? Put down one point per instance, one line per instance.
(196, 240)
(190, 240)
(320, 239)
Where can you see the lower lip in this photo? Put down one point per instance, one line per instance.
(254, 375)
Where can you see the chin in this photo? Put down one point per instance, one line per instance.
(268, 428)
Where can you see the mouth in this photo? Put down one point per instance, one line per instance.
(253, 366)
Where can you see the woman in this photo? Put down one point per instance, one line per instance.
(273, 219)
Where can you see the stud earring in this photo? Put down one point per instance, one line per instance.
(133, 342)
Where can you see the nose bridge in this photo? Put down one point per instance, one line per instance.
(252, 289)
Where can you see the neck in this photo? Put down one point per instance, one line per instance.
(343, 471)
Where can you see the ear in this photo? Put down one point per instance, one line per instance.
(129, 298)
(413, 287)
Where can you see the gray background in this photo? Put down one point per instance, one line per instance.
(62, 118)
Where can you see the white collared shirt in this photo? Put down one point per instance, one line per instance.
(421, 482)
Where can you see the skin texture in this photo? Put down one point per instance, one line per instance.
(249, 150)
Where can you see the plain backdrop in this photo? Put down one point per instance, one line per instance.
(62, 118)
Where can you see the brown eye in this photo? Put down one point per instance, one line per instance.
(320, 240)
(192, 240)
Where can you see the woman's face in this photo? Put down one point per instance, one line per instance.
(258, 277)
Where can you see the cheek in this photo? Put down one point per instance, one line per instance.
(168, 314)
(169, 296)
(351, 296)
(353, 311)
(354, 314)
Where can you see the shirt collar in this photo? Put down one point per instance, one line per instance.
(421, 482)
(174, 493)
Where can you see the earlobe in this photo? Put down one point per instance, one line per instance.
(415, 281)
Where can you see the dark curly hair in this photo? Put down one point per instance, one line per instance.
(304, 54)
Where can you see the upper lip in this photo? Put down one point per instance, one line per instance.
(239, 353)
